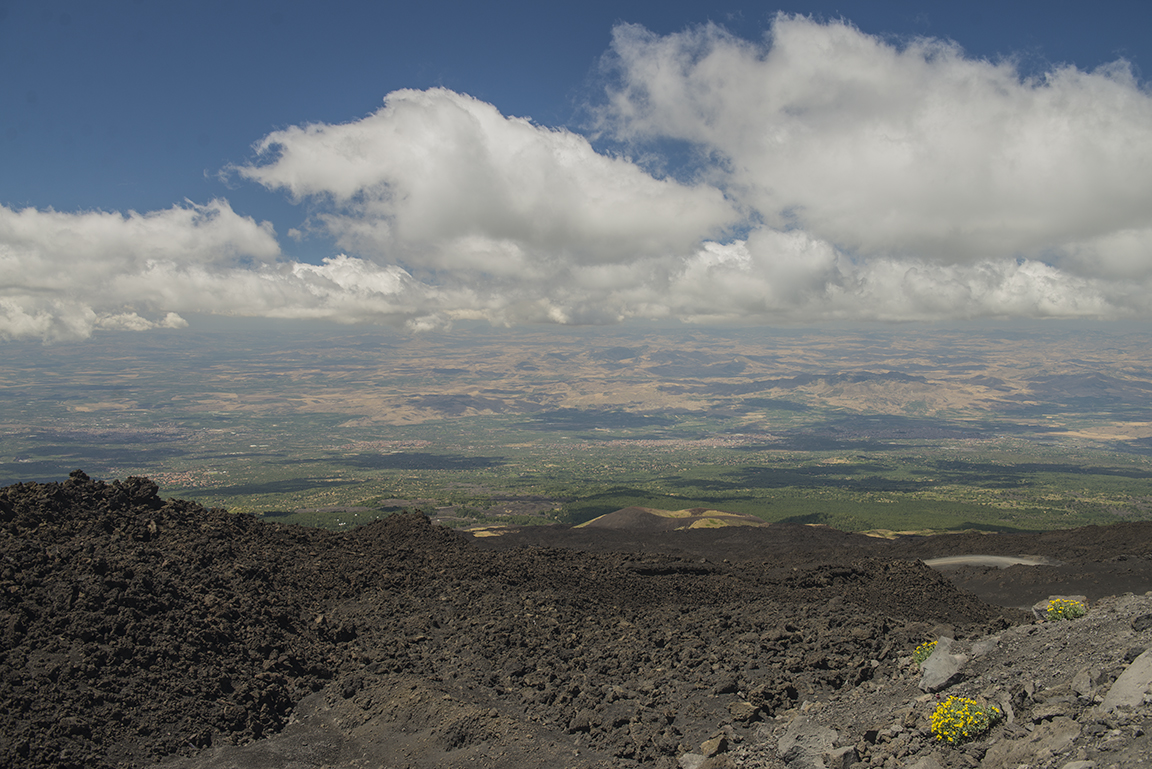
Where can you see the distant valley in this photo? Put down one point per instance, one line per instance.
(861, 428)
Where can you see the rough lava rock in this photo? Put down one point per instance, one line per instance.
(1055, 682)
(138, 630)
(942, 667)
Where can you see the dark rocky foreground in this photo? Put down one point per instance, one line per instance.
(136, 630)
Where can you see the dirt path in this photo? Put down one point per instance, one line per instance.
(999, 561)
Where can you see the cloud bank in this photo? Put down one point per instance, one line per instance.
(834, 175)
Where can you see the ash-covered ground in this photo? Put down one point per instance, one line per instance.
(137, 630)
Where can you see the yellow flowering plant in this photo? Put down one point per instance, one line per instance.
(1062, 608)
(923, 652)
(958, 718)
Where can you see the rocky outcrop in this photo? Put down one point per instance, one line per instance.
(1074, 694)
(942, 667)
(1131, 689)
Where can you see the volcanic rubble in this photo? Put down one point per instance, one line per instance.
(138, 631)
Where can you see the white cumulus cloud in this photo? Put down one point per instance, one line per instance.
(63, 275)
(834, 175)
(915, 150)
(441, 180)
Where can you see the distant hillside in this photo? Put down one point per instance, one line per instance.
(651, 519)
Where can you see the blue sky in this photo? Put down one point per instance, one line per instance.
(724, 176)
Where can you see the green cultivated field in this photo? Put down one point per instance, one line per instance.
(854, 431)
(477, 466)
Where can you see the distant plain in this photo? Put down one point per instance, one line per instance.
(983, 426)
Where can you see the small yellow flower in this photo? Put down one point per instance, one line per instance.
(959, 718)
(923, 652)
(1062, 608)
